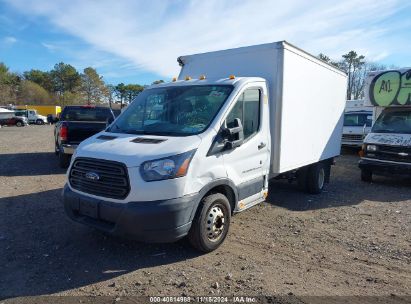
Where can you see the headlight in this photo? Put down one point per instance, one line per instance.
(166, 168)
(371, 148)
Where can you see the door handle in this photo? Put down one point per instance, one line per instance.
(261, 145)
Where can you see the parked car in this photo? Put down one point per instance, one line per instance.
(75, 125)
(186, 155)
(14, 121)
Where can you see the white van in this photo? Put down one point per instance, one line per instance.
(186, 155)
(357, 123)
(387, 148)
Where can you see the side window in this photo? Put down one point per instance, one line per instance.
(247, 109)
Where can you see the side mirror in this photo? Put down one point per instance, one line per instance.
(228, 138)
(234, 135)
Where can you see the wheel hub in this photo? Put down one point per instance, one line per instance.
(215, 223)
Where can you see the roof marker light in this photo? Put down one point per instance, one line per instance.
(202, 77)
(232, 77)
(188, 78)
(174, 79)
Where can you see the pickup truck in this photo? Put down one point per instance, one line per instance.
(76, 124)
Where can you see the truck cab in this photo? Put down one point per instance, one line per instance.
(32, 116)
(387, 148)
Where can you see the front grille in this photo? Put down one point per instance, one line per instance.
(112, 181)
(356, 137)
(392, 153)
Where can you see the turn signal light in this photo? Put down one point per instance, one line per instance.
(361, 153)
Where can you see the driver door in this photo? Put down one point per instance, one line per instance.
(247, 164)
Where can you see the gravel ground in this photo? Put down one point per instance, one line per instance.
(354, 239)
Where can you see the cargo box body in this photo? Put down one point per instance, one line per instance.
(306, 98)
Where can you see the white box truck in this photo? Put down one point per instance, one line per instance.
(186, 155)
(387, 148)
(357, 123)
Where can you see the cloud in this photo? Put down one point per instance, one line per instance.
(9, 40)
(152, 34)
(51, 47)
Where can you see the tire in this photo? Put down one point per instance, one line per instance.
(18, 124)
(64, 160)
(56, 149)
(39, 122)
(366, 175)
(316, 177)
(211, 223)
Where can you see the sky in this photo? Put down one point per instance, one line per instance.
(136, 41)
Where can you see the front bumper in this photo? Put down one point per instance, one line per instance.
(154, 221)
(385, 167)
(352, 143)
(68, 149)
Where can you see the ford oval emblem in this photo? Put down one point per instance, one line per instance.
(92, 176)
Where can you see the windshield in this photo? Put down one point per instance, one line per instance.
(178, 111)
(358, 119)
(86, 113)
(393, 122)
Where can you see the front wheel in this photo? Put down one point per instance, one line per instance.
(39, 122)
(19, 124)
(211, 223)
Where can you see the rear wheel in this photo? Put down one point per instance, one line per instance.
(366, 175)
(211, 223)
(316, 177)
(64, 160)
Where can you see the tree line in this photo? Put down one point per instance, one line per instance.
(62, 85)
(356, 67)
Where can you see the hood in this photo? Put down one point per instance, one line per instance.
(389, 139)
(132, 149)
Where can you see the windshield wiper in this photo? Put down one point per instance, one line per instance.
(141, 132)
(384, 131)
(165, 133)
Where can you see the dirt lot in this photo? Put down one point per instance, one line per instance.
(354, 239)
